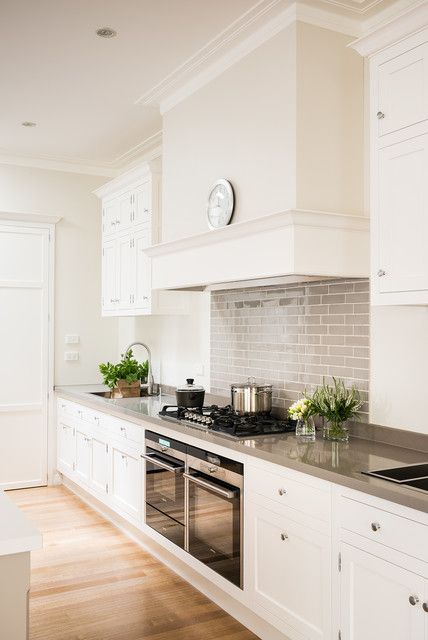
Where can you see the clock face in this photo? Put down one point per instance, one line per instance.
(221, 202)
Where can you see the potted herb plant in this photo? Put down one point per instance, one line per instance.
(336, 404)
(124, 379)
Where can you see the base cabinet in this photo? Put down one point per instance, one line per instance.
(66, 435)
(99, 467)
(289, 572)
(126, 480)
(380, 600)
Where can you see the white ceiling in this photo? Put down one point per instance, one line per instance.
(83, 91)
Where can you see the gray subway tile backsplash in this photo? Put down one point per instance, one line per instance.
(291, 336)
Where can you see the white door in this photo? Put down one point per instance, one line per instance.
(109, 279)
(142, 270)
(24, 362)
(289, 571)
(376, 599)
(126, 483)
(403, 90)
(99, 464)
(66, 441)
(83, 455)
(142, 203)
(401, 220)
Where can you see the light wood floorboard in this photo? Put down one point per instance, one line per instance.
(91, 582)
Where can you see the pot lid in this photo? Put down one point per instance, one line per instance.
(190, 386)
(251, 382)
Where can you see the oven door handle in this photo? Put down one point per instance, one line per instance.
(159, 463)
(225, 493)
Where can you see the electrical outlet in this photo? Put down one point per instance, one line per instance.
(72, 339)
(71, 356)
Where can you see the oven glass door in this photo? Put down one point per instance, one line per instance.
(165, 484)
(214, 525)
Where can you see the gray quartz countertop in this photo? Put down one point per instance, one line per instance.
(340, 463)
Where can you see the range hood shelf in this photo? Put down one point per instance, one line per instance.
(291, 246)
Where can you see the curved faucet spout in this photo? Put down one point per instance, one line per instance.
(150, 379)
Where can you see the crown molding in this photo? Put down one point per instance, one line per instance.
(324, 17)
(129, 178)
(231, 57)
(148, 149)
(243, 26)
(407, 22)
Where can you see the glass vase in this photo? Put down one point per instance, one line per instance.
(335, 431)
(305, 429)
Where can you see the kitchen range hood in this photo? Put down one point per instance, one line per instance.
(289, 246)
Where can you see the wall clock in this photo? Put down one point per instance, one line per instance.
(221, 202)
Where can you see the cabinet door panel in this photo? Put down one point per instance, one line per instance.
(83, 455)
(109, 298)
(124, 273)
(99, 464)
(402, 217)
(143, 278)
(126, 481)
(110, 216)
(289, 572)
(403, 90)
(142, 203)
(124, 211)
(375, 599)
(66, 446)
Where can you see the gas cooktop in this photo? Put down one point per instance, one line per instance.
(226, 421)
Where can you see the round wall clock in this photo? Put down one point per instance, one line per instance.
(221, 202)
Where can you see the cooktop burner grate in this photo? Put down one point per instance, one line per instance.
(225, 420)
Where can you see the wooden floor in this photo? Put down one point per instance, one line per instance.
(90, 582)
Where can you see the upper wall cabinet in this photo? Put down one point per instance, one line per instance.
(399, 172)
(130, 224)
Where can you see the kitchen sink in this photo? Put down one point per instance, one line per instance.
(108, 394)
(410, 475)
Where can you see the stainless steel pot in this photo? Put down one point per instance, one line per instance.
(250, 398)
(190, 395)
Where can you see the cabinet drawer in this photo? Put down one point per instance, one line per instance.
(387, 528)
(126, 430)
(307, 498)
(67, 408)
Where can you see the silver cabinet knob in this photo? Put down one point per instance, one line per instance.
(282, 492)
(375, 526)
(284, 536)
(425, 607)
(380, 115)
(413, 600)
(381, 273)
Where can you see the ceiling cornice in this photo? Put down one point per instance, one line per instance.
(148, 149)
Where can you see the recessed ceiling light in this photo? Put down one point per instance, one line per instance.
(106, 32)
(27, 123)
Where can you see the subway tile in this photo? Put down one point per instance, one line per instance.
(333, 298)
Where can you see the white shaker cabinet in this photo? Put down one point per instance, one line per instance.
(66, 442)
(99, 467)
(130, 224)
(402, 90)
(126, 480)
(399, 172)
(83, 455)
(380, 600)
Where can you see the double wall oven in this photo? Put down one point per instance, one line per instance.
(194, 498)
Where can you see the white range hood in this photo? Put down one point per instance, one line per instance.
(292, 245)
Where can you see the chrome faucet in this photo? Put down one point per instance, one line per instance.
(150, 379)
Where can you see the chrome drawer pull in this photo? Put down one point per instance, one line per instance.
(282, 492)
(375, 526)
(210, 485)
(160, 463)
(425, 607)
(413, 600)
(284, 536)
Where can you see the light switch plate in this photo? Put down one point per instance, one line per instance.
(71, 356)
(71, 339)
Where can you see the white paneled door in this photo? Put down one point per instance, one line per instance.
(24, 351)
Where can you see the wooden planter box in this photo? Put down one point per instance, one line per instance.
(126, 390)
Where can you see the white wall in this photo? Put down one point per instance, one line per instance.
(180, 345)
(77, 265)
(240, 126)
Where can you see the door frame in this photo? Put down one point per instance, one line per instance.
(47, 223)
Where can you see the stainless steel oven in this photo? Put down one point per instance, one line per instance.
(165, 487)
(214, 512)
